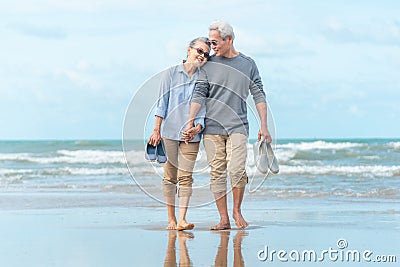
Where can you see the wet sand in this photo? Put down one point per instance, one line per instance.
(62, 229)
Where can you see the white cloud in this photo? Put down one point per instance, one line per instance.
(377, 32)
(355, 110)
(40, 31)
(44, 6)
(77, 58)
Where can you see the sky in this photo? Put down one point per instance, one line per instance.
(69, 69)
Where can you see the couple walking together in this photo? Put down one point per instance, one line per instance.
(207, 96)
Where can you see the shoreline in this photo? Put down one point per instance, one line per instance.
(122, 232)
(20, 200)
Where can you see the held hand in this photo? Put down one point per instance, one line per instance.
(263, 134)
(155, 138)
(190, 132)
(185, 133)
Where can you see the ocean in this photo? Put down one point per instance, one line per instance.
(99, 203)
(350, 169)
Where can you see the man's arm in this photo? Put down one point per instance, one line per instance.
(263, 133)
(200, 94)
(257, 90)
(191, 130)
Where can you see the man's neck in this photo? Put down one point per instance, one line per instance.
(231, 53)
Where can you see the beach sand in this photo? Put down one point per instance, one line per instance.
(103, 229)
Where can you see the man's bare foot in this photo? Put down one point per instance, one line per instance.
(221, 226)
(237, 241)
(171, 225)
(184, 226)
(239, 220)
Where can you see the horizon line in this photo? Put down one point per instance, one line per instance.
(140, 139)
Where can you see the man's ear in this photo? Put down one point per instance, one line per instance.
(230, 39)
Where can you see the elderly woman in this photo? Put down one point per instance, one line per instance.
(172, 113)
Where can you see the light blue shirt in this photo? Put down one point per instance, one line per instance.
(173, 104)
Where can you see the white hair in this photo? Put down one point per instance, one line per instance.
(224, 28)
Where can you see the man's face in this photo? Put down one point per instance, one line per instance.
(219, 46)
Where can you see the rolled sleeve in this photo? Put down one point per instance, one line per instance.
(162, 106)
(163, 95)
(201, 116)
(201, 89)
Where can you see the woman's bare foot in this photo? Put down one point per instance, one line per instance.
(239, 220)
(184, 225)
(221, 226)
(182, 236)
(171, 225)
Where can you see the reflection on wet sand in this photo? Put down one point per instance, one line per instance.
(221, 258)
(170, 258)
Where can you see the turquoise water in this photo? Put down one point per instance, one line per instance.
(78, 203)
(348, 168)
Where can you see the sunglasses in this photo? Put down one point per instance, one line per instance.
(214, 43)
(201, 52)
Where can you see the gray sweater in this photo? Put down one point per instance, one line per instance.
(224, 85)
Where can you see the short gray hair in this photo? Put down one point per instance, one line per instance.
(224, 28)
(200, 39)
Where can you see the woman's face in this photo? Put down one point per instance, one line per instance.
(198, 54)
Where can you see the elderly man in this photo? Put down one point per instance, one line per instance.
(223, 85)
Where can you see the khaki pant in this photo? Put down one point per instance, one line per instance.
(179, 167)
(226, 153)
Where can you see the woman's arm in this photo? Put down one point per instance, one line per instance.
(155, 137)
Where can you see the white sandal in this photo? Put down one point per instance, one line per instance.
(264, 157)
